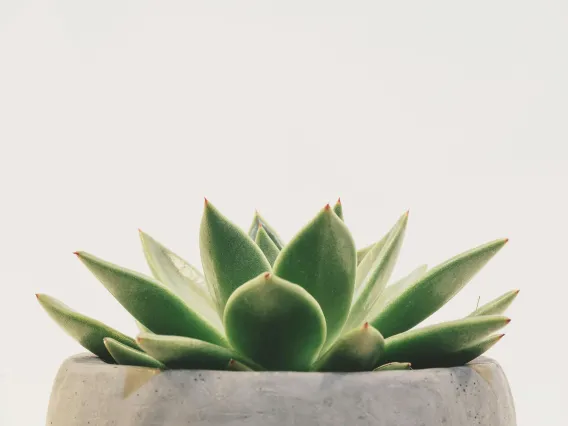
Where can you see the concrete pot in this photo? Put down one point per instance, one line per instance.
(88, 392)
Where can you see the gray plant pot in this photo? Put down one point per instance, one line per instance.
(88, 392)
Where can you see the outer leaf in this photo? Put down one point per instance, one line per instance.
(361, 253)
(152, 304)
(461, 356)
(276, 323)
(496, 306)
(229, 257)
(394, 290)
(375, 278)
(237, 366)
(357, 350)
(87, 331)
(187, 353)
(180, 277)
(392, 366)
(126, 355)
(423, 345)
(338, 209)
(433, 290)
(322, 259)
(267, 246)
(259, 221)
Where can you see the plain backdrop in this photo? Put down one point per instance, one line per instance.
(118, 115)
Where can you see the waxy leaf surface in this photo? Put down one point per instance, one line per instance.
(229, 256)
(496, 306)
(321, 258)
(125, 355)
(424, 345)
(187, 353)
(85, 330)
(152, 304)
(394, 366)
(373, 278)
(276, 323)
(180, 277)
(433, 290)
(258, 222)
(356, 350)
(267, 246)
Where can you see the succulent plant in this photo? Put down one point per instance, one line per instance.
(313, 304)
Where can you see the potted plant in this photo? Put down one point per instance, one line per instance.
(303, 333)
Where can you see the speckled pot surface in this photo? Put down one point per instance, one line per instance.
(88, 392)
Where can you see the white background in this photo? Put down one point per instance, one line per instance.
(118, 115)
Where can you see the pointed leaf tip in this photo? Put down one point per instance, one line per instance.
(327, 206)
(267, 275)
(339, 200)
(517, 291)
(205, 200)
(366, 325)
(508, 320)
(76, 253)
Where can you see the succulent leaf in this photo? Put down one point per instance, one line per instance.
(180, 277)
(433, 290)
(394, 290)
(229, 257)
(496, 306)
(276, 323)
(361, 253)
(267, 246)
(258, 222)
(234, 365)
(373, 277)
(85, 330)
(356, 350)
(392, 366)
(423, 346)
(338, 209)
(152, 304)
(142, 328)
(321, 258)
(125, 355)
(461, 356)
(188, 353)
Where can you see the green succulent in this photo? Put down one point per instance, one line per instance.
(313, 304)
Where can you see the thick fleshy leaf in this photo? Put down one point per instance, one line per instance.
(393, 366)
(125, 355)
(322, 259)
(187, 353)
(461, 356)
(142, 328)
(361, 253)
(234, 365)
(180, 277)
(423, 346)
(85, 330)
(267, 246)
(276, 323)
(356, 350)
(395, 289)
(152, 304)
(229, 257)
(433, 290)
(374, 278)
(496, 306)
(257, 222)
(338, 209)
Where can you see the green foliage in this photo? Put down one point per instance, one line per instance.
(313, 304)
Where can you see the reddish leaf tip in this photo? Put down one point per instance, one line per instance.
(508, 320)
(501, 336)
(327, 206)
(259, 225)
(517, 291)
(407, 213)
(339, 200)
(37, 295)
(206, 200)
(366, 326)
(267, 275)
(76, 253)
(505, 241)
(231, 362)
